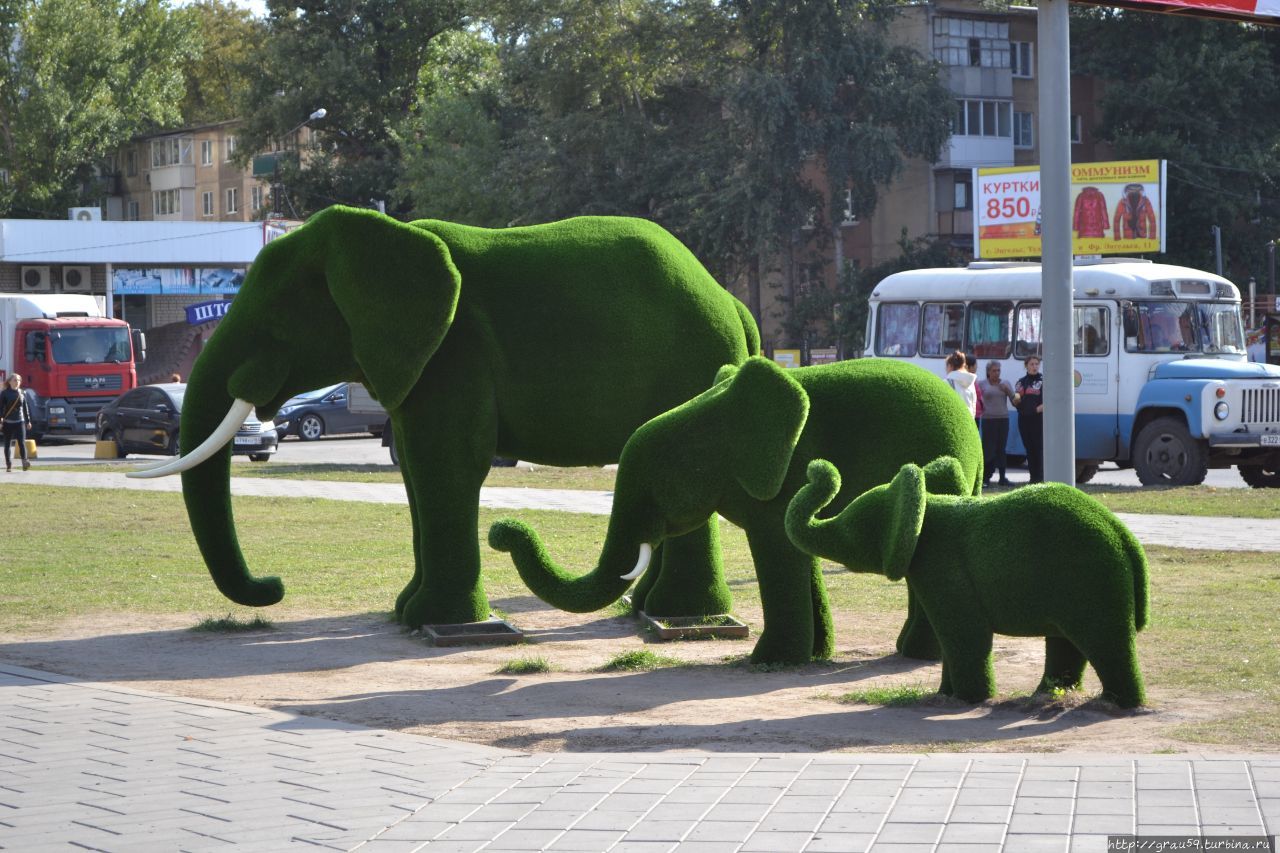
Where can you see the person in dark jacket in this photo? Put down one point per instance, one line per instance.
(1029, 402)
(15, 419)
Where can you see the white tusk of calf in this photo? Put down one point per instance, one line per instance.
(230, 425)
(646, 554)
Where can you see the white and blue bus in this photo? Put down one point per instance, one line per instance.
(1162, 380)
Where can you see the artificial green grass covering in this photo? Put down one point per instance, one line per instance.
(550, 343)
(740, 450)
(1046, 560)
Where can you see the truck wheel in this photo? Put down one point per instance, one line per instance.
(1165, 454)
(310, 428)
(1085, 472)
(1260, 476)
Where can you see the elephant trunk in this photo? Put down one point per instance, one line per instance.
(206, 487)
(806, 531)
(618, 565)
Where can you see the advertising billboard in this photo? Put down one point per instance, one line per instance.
(1261, 11)
(177, 280)
(1117, 209)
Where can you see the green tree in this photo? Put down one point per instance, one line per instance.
(1207, 99)
(359, 60)
(218, 77)
(79, 78)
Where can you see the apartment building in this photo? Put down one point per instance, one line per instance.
(988, 61)
(185, 175)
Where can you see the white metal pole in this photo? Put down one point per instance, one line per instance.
(110, 291)
(1055, 206)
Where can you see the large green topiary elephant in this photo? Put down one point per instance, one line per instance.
(1045, 561)
(740, 449)
(550, 343)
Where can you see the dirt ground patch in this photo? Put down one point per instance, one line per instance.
(366, 670)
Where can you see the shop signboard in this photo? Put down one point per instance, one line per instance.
(1258, 11)
(204, 312)
(787, 357)
(184, 281)
(1117, 209)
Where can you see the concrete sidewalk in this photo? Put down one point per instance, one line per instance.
(1178, 531)
(101, 767)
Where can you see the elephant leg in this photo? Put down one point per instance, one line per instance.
(917, 638)
(1114, 656)
(967, 670)
(445, 445)
(785, 577)
(690, 577)
(1063, 665)
(824, 631)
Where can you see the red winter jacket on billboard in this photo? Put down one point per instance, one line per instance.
(1090, 217)
(1135, 217)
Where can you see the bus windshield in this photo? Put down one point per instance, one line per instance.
(90, 346)
(1211, 327)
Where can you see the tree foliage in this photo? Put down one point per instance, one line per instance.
(217, 78)
(359, 60)
(1204, 95)
(79, 78)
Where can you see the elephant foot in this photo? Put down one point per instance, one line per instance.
(919, 645)
(792, 649)
(419, 610)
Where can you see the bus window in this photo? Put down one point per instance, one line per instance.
(1163, 327)
(941, 331)
(1091, 330)
(990, 324)
(898, 322)
(1220, 327)
(1027, 341)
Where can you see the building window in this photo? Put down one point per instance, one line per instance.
(233, 200)
(255, 198)
(135, 213)
(849, 217)
(131, 163)
(166, 202)
(963, 41)
(1023, 134)
(983, 118)
(1077, 129)
(964, 190)
(206, 152)
(1021, 57)
(170, 152)
(231, 147)
(207, 200)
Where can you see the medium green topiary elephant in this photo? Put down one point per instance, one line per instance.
(550, 343)
(1044, 561)
(740, 449)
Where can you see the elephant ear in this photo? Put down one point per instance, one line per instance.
(769, 411)
(945, 476)
(906, 503)
(396, 287)
(726, 371)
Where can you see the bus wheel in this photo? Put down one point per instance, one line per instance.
(1085, 472)
(1260, 476)
(1165, 454)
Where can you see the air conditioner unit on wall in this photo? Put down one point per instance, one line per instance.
(84, 214)
(36, 280)
(76, 279)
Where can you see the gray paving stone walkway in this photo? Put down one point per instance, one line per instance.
(1179, 531)
(101, 767)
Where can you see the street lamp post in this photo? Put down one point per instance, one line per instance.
(277, 188)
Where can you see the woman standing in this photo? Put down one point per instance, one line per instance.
(996, 394)
(962, 381)
(15, 419)
(1030, 404)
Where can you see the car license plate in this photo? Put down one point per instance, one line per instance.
(1271, 439)
(249, 439)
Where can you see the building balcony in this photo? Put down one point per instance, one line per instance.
(173, 178)
(966, 152)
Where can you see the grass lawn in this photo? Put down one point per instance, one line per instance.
(82, 551)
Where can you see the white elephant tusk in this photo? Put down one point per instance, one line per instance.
(646, 554)
(230, 425)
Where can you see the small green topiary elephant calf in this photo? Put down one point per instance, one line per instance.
(1046, 560)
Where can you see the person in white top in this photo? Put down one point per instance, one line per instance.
(962, 381)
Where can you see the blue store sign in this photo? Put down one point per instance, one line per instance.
(206, 311)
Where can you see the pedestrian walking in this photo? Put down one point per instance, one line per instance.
(996, 394)
(15, 419)
(1030, 404)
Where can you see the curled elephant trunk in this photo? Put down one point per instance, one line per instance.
(557, 587)
(820, 538)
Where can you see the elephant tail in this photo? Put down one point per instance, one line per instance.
(749, 327)
(1141, 585)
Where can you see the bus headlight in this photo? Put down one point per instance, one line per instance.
(1221, 411)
